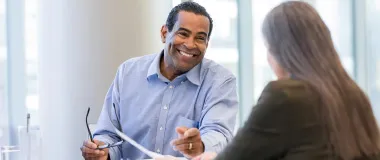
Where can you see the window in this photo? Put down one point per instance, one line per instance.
(333, 12)
(373, 51)
(18, 67)
(262, 73)
(3, 76)
(223, 43)
(31, 59)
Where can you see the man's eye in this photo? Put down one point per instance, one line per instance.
(183, 34)
(202, 38)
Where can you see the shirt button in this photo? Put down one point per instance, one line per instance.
(161, 128)
(182, 82)
(165, 107)
(171, 87)
(158, 151)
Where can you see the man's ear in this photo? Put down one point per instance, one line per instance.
(164, 32)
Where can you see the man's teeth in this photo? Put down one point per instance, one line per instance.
(185, 54)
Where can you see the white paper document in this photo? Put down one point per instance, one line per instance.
(140, 147)
(151, 154)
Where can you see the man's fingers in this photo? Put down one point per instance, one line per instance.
(91, 153)
(189, 135)
(99, 143)
(185, 147)
(191, 132)
(181, 147)
(89, 144)
(89, 149)
(181, 130)
(185, 140)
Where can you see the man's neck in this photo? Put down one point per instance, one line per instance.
(169, 75)
(167, 71)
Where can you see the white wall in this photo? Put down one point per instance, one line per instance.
(81, 44)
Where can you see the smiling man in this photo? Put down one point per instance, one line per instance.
(175, 102)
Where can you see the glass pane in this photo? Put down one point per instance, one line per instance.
(31, 58)
(373, 39)
(262, 73)
(223, 43)
(333, 12)
(3, 76)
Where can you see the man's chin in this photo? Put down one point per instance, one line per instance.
(183, 69)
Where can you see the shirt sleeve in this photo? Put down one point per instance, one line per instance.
(104, 131)
(219, 115)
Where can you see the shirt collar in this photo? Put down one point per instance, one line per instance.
(154, 67)
(193, 75)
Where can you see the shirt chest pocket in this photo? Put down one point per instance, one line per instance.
(185, 122)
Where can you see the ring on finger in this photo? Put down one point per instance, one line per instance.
(190, 146)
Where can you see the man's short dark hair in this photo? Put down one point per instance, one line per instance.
(187, 6)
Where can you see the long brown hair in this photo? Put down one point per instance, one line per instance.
(301, 43)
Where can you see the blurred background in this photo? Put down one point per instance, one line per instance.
(58, 57)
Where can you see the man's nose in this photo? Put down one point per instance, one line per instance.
(190, 43)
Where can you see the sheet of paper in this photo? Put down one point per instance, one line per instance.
(138, 146)
(177, 158)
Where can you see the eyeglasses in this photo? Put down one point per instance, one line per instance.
(109, 114)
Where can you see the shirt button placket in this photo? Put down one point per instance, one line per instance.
(163, 118)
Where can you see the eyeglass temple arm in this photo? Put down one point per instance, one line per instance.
(88, 128)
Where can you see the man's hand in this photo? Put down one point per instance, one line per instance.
(189, 142)
(90, 151)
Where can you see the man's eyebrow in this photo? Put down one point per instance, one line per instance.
(187, 30)
(184, 29)
(203, 33)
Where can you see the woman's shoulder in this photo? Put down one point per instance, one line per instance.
(287, 84)
(290, 104)
(290, 89)
(289, 96)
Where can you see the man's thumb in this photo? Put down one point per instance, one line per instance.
(181, 130)
(97, 142)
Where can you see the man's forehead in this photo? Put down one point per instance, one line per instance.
(189, 19)
(185, 15)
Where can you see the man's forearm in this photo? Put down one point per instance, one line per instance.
(214, 141)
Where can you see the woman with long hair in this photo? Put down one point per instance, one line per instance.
(314, 110)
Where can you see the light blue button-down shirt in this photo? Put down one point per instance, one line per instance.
(150, 106)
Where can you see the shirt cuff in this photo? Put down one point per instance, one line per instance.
(114, 152)
(213, 142)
